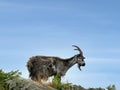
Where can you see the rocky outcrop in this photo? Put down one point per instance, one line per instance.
(25, 84)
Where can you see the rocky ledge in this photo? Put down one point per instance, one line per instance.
(26, 84)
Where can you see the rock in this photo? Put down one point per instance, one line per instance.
(74, 87)
(25, 84)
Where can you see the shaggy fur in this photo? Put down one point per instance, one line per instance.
(42, 67)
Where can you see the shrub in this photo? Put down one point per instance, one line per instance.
(7, 76)
(56, 83)
(111, 87)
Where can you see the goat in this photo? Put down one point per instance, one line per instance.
(43, 67)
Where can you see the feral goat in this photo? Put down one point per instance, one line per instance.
(42, 67)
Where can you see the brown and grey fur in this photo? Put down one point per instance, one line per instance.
(42, 67)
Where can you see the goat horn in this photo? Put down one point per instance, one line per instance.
(77, 48)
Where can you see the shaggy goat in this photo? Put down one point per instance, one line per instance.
(42, 67)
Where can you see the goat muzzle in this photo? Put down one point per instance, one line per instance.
(83, 64)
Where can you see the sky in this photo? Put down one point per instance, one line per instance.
(50, 27)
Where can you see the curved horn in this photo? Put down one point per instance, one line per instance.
(77, 48)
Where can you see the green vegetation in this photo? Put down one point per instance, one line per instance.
(111, 87)
(57, 84)
(4, 77)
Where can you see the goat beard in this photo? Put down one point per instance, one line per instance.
(79, 66)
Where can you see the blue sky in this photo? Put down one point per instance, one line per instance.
(51, 27)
